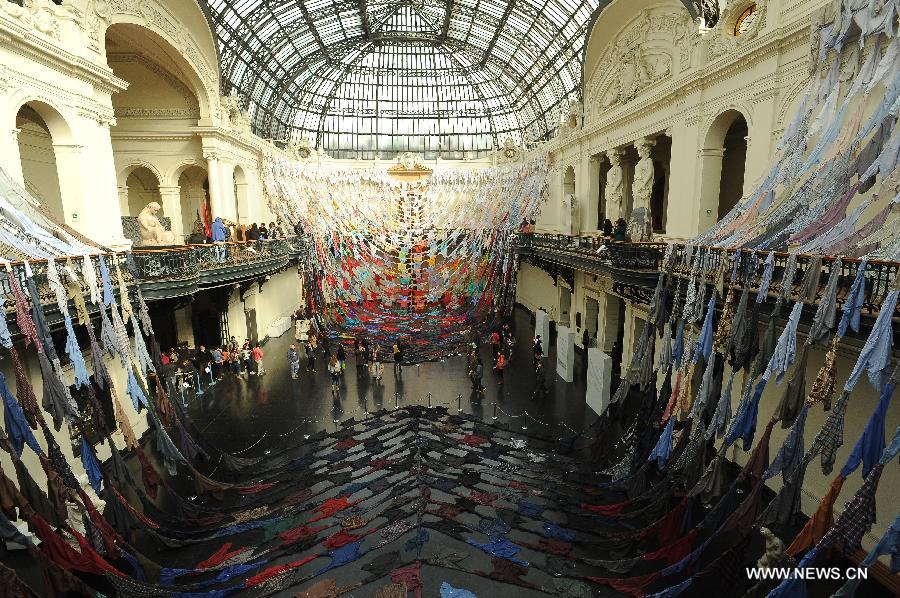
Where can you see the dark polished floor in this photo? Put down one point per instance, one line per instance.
(248, 414)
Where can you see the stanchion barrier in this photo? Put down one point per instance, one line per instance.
(459, 403)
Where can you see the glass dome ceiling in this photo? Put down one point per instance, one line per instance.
(369, 78)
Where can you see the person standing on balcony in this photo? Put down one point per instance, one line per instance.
(294, 361)
(258, 360)
(263, 232)
(218, 231)
(607, 227)
(253, 233)
(298, 229)
(274, 233)
(621, 232)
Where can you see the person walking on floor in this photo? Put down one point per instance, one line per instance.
(342, 357)
(540, 388)
(258, 360)
(538, 349)
(495, 344)
(398, 359)
(586, 339)
(311, 346)
(234, 360)
(334, 370)
(499, 366)
(246, 358)
(294, 361)
(476, 375)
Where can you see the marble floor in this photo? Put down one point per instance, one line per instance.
(248, 414)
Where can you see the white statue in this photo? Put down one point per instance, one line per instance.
(614, 180)
(642, 188)
(640, 226)
(152, 232)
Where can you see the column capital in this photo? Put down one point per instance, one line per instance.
(211, 156)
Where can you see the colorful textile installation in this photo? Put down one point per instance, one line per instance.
(832, 187)
(425, 262)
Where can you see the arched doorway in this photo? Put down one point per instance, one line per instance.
(241, 198)
(723, 161)
(734, 161)
(193, 186)
(41, 130)
(142, 187)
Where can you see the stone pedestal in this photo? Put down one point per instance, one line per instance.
(565, 353)
(599, 377)
(542, 326)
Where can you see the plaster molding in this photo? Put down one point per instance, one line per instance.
(153, 16)
(157, 113)
(649, 49)
(183, 90)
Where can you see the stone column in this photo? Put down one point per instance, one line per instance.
(226, 175)
(683, 193)
(123, 199)
(69, 169)
(215, 184)
(103, 205)
(591, 209)
(171, 205)
(710, 185)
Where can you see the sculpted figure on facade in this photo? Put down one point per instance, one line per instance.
(614, 182)
(640, 226)
(152, 232)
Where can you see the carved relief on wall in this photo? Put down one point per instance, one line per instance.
(656, 44)
(41, 15)
(233, 115)
(739, 22)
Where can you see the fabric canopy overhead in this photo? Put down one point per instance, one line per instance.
(423, 262)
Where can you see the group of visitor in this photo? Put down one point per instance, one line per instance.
(502, 343)
(223, 230)
(619, 232)
(369, 356)
(185, 369)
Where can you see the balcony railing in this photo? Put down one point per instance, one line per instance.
(171, 271)
(629, 256)
(880, 277)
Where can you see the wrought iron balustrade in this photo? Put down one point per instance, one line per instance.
(39, 272)
(630, 256)
(166, 264)
(880, 276)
